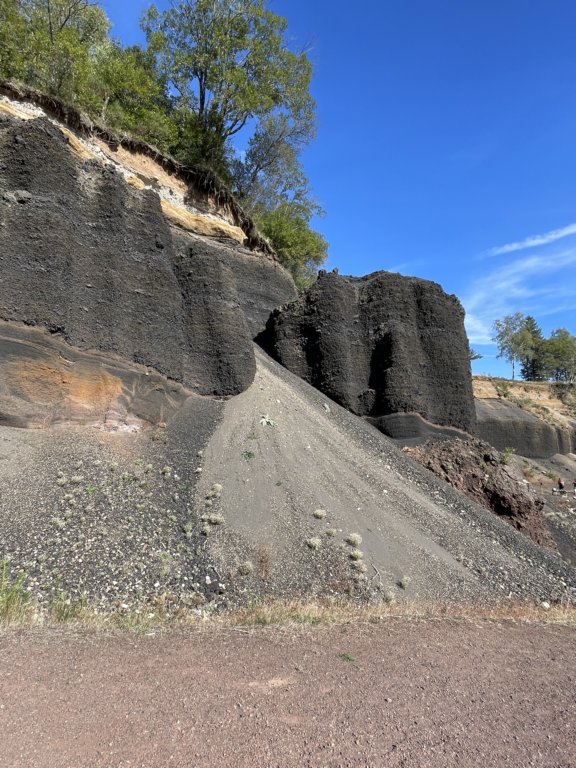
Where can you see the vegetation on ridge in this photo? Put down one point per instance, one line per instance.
(212, 71)
(520, 339)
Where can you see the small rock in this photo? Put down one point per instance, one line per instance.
(18, 196)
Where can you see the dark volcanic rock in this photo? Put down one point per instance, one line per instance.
(478, 470)
(379, 345)
(261, 285)
(505, 425)
(87, 257)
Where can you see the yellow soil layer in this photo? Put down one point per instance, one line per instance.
(143, 166)
(75, 144)
(56, 384)
(14, 111)
(533, 396)
(201, 225)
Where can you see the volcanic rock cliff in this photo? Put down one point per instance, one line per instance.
(380, 345)
(161, 457)
(107, 265)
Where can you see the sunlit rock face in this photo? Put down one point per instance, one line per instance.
(505, 425)
(91, 260)
(380, 345)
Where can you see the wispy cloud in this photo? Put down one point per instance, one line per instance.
(405, 267)
(534, 241)
(535, 285)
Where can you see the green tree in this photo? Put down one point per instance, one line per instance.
(125, 92)
(12, 40)
(473, 354)
(271, 172)
(560, 356)
(271, 184)
(507, 337)
(227, 63)
(50, 43)
(299, 248)
(530, 342)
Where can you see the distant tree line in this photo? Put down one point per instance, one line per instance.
(212, 70)
(520, 341)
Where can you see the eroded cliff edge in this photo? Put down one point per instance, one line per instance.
(95, 260)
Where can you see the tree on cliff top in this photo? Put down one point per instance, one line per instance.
(227, 64)
(55, 40)
(229, 70)
(507, 337)
(213, 69)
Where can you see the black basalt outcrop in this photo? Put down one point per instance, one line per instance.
(380, 345)
(93, 260)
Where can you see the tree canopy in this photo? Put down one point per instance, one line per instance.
(519, 338)
(229, 69)
(216, 76)
(227, 62)
(507, 338)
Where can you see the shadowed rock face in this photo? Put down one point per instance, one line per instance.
(505, 425)
(379, 345)
(94, 261)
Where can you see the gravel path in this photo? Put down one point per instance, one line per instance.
(404, 693)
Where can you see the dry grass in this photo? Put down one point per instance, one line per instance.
(16, 605)
(264, 560)
(342, 612)
(161, 615)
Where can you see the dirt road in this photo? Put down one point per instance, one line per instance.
(401, 693)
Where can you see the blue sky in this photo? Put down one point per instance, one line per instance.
(446, 146)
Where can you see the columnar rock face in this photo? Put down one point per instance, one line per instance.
(379, 345)
(88, 257)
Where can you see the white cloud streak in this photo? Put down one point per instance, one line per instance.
(534, 241)
(539, 285)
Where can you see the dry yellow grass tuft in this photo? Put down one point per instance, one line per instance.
(298, 612)
(162, 614)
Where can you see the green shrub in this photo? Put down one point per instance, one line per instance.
(506, 455)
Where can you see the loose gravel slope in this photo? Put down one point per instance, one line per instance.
(277, 492)
(420, 538)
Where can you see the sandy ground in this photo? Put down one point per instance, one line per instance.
(402, 693)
